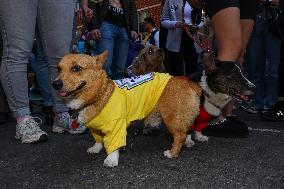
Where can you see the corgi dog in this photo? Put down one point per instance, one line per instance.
(108, 106)
(220, 83)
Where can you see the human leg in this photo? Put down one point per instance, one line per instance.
(272, 46)
(41, 70)
(4, 109)
(56, 37)
(107, 43)
(276, 113)
(42, 75)
(17, 45)
(255, 64)
(226, 25)
(120, 51)
(228, 30)
(174, 63)
(189, 54)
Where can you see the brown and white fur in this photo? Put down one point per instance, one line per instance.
(83, 82)
(220, 83)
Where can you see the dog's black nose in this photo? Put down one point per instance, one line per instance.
(57, 84)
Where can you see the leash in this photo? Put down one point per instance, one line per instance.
(188, 30)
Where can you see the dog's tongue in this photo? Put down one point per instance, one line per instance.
(63, 94)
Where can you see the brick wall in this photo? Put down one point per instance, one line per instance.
(152, 6)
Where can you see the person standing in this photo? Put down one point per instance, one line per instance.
(181, 51)
(232, 23)
(263, 58)
(55, 19)
(153, 34)
(114, 24)
(276, 112)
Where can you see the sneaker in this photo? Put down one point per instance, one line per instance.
(276, 113)
(64, 123)
(28, 131)
(227, 128)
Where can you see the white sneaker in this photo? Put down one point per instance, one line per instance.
(28, 131)
(65, 123)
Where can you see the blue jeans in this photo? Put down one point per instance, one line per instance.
(115, 39)
(55, 23)
(263, 58)
(40, 67)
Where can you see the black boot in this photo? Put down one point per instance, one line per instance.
(49, 115)
(4, 116)
(276, 113)
(227, 128)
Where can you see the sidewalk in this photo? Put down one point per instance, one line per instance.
(62, 162)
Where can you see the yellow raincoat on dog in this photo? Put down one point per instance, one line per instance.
(133, 99)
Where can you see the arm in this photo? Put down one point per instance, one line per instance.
(166, 18)
(133, 19)
(157, 38)
(84, 4)
(133, 16)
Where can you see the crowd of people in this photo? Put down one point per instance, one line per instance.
(246, 32)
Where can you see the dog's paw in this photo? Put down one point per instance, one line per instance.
(189, 142)
(168, 154)
(112, 159)
(200, 137)
(95, 149)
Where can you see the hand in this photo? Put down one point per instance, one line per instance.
(193, 28)
(96, 34)
(179, 24)
(133, 35)
(88, 13)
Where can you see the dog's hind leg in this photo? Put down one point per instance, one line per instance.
(189, 142)
(179, 139)
(200, 137)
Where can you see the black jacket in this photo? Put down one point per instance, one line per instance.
(130, 11)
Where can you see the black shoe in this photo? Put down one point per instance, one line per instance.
(4, 116)
(227, 128)
(276, 113)
(235, 119)
(49, 115)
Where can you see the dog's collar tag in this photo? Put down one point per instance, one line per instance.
(74, 124)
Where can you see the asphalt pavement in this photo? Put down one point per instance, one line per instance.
(62, 162)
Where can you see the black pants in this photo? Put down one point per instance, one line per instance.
(281, 66)
(281, 73)
(247, 7)
(183, 62)
(3, 102)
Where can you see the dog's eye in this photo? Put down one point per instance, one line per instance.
(150, 51)
(76, 68)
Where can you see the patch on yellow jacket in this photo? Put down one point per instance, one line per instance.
(133, 99)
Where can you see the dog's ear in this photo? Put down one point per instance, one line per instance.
(210, 63)
(101, 58)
